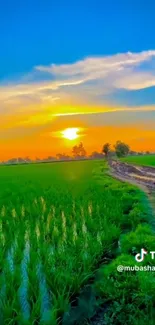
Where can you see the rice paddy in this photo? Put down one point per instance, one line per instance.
(146, 160)
(58, 223)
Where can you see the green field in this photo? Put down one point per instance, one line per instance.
(64, 226)
(147, 160)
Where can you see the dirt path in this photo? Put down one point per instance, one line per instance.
(141, 176)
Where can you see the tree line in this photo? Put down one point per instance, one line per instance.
(120, 149)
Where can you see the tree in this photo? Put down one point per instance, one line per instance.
(96, 155)
(50, 158)
(122, 149)
(79, 151)
(27, 159)
(62, 156)
(82, 150)
(132, 153)
(106, 149)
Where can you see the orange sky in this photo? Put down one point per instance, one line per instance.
(39, 135)
(93, 94)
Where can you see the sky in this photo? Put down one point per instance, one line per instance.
(88, 65)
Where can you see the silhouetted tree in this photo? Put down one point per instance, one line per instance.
(122, 149)
(96, 155)
(50, 158)
(79, 151)
(106, 149)
(132, 153)
(62, 156)
(27, 159)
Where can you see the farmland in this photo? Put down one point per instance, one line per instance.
(64, 226)
(147, 160)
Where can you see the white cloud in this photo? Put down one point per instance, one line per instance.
(88, 79)
(135, 80)
(111, 69)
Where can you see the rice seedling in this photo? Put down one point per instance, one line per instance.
(23, 289)
(54, 233)
(45, 303)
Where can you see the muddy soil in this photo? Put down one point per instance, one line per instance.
(138, 175)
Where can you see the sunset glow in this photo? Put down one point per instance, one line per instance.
(70, 133)
(76, 84)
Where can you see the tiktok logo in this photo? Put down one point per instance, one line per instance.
(140, 256)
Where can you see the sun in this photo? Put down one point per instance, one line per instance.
(70, 133)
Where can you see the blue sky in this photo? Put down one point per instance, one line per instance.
(44, 32)
(41, 33)
(61, 58)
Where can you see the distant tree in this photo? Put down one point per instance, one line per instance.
(96, 155)
(79, 151)
(20, 160)
(75, 151)
(12, 161)
(27, 159)
(62, 156)
(147, 152)
(121, 149)
(38, 159)
(82, 150)
(59, 156)
(50, 158)
(106, 149)
(132, 153)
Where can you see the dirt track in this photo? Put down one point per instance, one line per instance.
(142, 176)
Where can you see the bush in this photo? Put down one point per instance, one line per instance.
(135, 240)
